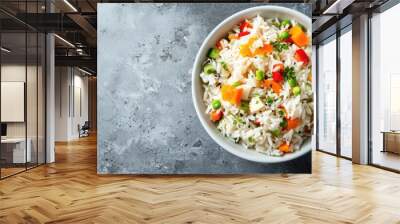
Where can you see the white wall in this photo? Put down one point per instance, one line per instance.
(71, 102)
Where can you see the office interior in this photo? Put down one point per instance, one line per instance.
(48, 80)
(48, 122)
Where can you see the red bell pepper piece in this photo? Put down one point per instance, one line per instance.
(277, 76)
(301, 56)
(244, 33)
(243, 25)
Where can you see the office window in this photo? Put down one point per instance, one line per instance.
(385, 89)
(346, 92)
(327, 96)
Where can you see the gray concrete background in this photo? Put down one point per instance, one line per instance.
(146, 120)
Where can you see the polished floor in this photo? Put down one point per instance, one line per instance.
(70, 191)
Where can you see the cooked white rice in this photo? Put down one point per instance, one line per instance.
(258, 121)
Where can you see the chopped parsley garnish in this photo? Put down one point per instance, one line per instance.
(244, 105)
(283, 123)
(269, 100)
(224, 65)
(288, 73)
(278, 46)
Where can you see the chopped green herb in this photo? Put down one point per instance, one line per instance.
(283, 123)
(281, 113)
(269, 100)
(244, 105)
(251, 140)
(288, 73)
(224, 65)
(285, 23)
(276, 132)
(238, 120)
(278, 46)
(236, 84)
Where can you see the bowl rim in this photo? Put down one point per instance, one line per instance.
(266, 159)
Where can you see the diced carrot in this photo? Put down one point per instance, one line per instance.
(298, 36)
(216, 115)
(276, 86)
(293, 123)
(227, 92)
(231, 94)
(285, 148)
(266, 49)
(300, 40)
(237, 96)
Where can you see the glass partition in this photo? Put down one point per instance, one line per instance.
(14, 153)
(327, 95)
(385, 89)
(22, 101)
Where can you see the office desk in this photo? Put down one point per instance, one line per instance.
(391, 141)
(15, 148)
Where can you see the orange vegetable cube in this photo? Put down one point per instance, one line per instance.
(298, 36)
(285, 148)
(216, 115)
(293, 123)
(231, 94)
(237, 96)
(266, 49)
(276, 86)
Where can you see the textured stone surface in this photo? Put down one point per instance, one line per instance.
(147, 122)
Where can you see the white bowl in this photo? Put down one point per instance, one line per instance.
(197, 90)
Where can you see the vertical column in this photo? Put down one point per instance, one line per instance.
(50, 92)
(360, 90)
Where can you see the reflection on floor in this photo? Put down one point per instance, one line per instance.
(10, 169)
(386, 159)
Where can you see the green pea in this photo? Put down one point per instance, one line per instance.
(213, 53)
(285, 23)
(292, 82)
(296, 90)
(284, 35)
(260, 75)
(216, 104)
(209, 69)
